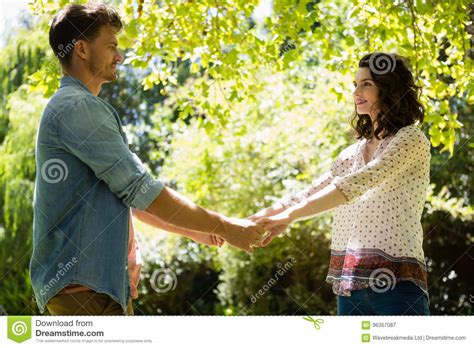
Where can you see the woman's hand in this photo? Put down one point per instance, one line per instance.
(269, 222)
(272, 234)
(274, 225)
(270, 211)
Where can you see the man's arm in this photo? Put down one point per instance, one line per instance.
(203, 238)
(174, 209)
(88, 125)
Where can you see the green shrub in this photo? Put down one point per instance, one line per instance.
(175, 273)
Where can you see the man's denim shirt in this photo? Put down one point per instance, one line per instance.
(86, 181)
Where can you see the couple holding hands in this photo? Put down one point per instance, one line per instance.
(88, 184)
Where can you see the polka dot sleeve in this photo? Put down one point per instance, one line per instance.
(316, 186)
(408, 146)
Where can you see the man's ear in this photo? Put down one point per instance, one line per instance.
(81, 48)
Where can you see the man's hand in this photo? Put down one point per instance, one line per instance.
(207, 239)
(176, 210)
(242, 234)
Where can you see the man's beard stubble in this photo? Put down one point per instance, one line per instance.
(102, 71)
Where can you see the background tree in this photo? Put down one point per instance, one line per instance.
(236, 103)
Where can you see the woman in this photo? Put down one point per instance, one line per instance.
(378, 187)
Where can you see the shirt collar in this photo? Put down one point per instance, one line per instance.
(72, 81)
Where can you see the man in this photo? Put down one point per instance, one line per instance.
(88, 180)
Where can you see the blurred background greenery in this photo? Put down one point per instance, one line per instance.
(235, 104)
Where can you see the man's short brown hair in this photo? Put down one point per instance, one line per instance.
(79, 22)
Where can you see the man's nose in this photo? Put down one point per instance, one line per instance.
(119, 58)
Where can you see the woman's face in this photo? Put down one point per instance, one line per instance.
(366, 93)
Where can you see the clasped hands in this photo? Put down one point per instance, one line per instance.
(272, 225)
(255, 231)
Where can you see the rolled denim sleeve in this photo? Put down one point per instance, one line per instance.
(89, 130)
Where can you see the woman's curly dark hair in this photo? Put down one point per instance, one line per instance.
(398, 103)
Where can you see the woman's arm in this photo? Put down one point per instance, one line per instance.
(328, 198)
(203, 238)
(317, 185)
(269, 211)
(294, 199)
(409, 147)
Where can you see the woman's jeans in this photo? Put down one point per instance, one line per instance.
(405, 299)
